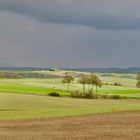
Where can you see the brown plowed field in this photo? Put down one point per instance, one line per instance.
(108, 126)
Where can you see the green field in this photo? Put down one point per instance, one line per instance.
(20, 106)
(19, 97)
(45, 86)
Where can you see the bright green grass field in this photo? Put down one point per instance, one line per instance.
(45, 86)
(21, 106)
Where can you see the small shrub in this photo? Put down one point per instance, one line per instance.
(90, 95)
(54, 94)
(76, 94)
(95, 96)
(105, 83)
(138, 84)
(104, 96)
(117, 84)
(115, 97)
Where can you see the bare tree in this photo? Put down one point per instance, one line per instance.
(68, 78)
(138, 80)
(94, 80)
(83, 81)
(98, 83)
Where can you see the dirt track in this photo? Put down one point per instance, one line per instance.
(112, 126)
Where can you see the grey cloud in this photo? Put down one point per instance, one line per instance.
(26, 42)
(94, 13)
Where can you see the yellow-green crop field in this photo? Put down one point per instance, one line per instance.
(20, 106)
(20, 98)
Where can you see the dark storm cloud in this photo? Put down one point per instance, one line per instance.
(107, 14)
(70, 33)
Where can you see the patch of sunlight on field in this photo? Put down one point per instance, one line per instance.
(20, 106)
(44, 86)
(20, 88)
(124, 81)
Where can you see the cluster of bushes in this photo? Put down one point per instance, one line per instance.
(138, 80)
(110, 96)
(54, 94)
(106, 84)
(91, 95)
(117, 84)
(77, 94)
(87, 95)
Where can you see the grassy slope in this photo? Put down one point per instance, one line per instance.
(17, 106)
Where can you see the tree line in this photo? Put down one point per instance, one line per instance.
(90, 80)
(138, 80)
(20, 75)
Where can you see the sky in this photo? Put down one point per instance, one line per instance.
(70, 33)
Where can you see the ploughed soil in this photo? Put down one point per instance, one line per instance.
(107, 126)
